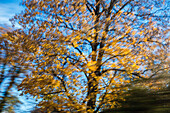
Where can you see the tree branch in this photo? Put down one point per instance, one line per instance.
(122, 70)
(111, 58)
(64, 85)
(101, 103)
(120, 9)
(88, 3)
(53, 92)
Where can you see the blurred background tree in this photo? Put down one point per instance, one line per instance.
(10, 72)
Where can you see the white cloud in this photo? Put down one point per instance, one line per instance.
(7, 11)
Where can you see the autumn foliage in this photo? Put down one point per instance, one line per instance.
(81, 54)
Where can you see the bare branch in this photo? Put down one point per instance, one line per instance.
(120, 9)
(122, 70)
(88, 4)
(111, 58)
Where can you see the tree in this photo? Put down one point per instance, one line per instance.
(9, 71)
(81, 53)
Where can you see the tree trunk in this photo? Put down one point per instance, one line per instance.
(92, 94)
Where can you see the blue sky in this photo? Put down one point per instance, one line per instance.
(8, 8)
